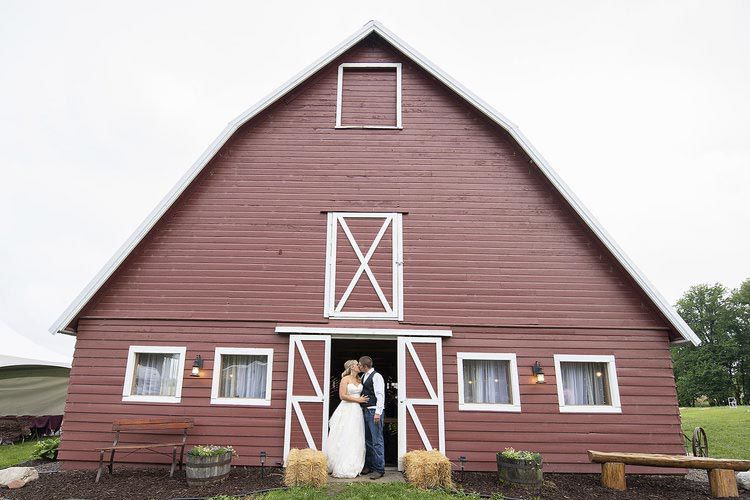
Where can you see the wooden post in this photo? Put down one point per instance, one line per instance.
(723, 483)
(613, 475)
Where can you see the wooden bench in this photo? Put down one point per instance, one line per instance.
(720, 471)
(157, 426)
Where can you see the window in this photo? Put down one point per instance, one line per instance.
(369, 96)
(242, 376)
(364, 266)
(587, 384)
(488, 382)
(154, 374)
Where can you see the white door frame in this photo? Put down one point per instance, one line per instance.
(321, 393)
(405, 404)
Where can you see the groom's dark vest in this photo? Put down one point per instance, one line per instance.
(368, 389)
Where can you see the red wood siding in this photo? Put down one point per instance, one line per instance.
(649, 420)
(486, 239)
(490, 250)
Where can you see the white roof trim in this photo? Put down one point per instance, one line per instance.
(374, 27)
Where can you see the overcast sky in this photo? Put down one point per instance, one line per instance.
(642, 107)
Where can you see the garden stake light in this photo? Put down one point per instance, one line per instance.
(462, 459)
(263, 456)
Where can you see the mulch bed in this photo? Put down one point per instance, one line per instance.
(155, 483)
(136, 484)
(586, 486)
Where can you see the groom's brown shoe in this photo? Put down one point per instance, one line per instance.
(377, 475)
(365, 471)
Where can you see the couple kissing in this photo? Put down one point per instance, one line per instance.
(355, 437)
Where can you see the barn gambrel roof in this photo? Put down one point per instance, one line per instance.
(61, 324)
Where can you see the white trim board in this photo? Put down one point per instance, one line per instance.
(406, 404)
(374, 27)
(362, 332)
(296, 344)
(127, 385)
(614, 388)
(513, 385)
(332, 305)
(340, 93)
(216, 376)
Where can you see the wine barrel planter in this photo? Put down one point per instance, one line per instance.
(202, 470)
(518, 471)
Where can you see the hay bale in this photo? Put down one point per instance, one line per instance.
(306, 468)
(428, 469)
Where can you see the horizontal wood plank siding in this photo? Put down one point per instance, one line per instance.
(649, 421)
(486, 239)
(490, 251)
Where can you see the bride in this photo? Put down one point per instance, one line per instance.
(346, 438)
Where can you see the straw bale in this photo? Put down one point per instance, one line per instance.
(428, 469)
(306, 468)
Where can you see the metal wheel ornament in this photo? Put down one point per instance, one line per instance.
(700, 443)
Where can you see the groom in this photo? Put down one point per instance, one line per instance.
(373, 386)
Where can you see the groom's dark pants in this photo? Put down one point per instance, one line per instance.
(375, 457)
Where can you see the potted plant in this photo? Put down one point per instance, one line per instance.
(208, 463)
(520, 467)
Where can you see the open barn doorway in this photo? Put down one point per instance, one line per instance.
(383, 354)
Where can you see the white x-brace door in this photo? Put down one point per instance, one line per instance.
(307, 391)
(421, 423)
(391, 298)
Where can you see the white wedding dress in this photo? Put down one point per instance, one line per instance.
(345, 447)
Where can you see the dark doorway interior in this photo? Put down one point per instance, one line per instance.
(383, 354)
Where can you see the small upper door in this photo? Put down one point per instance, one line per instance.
(307, 392)
(364, 266)
(421, 425)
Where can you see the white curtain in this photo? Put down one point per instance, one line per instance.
(486, 381)
(243, 376)
(156, 374)
(584, 383)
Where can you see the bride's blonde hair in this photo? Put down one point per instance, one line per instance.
(348, 367)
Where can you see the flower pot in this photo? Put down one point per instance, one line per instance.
(202, 470)
(518, 471)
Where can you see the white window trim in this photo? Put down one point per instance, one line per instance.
(130, 373)
(216, 377)
(332, 309)
(514, 406)
(340, 92)
(614, 388)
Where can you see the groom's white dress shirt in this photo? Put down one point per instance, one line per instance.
(378, 385)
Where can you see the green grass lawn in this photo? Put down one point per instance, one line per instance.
(12, 454)
(357, 491)
(727, 429)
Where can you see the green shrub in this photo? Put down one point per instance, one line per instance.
(46, 449)
(512, 454)
(210, 450)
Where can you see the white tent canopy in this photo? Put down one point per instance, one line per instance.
(18, 350)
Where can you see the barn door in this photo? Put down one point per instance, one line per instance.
(421, 425)
(307, 392)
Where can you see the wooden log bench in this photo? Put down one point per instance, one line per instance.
(720, 471)
(178, 426)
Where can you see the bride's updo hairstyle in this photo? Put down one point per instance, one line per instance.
(348, 367)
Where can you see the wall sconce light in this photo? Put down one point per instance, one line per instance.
(263, 457)
(538, 372)
(462, 459)
(197, 366)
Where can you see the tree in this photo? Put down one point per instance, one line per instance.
(739, 307)
(708, 369)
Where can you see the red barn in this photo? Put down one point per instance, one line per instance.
(373, 205)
